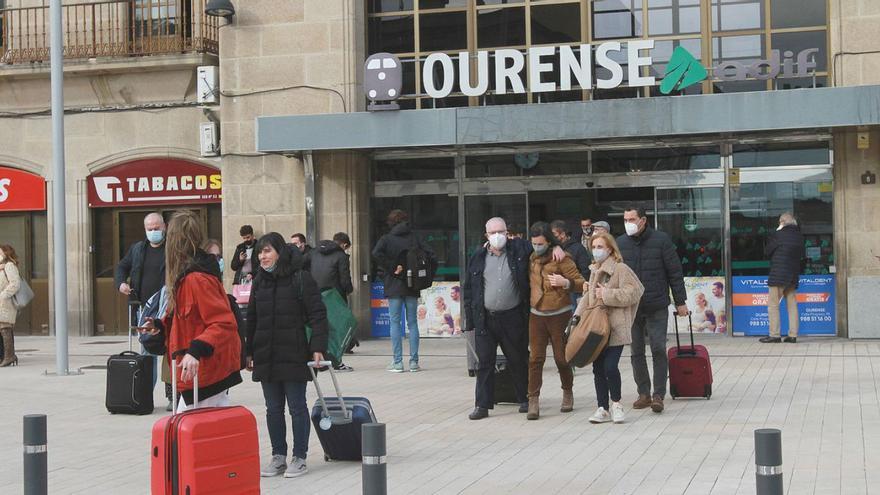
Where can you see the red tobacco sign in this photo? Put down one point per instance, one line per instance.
(21, 191)
(155, 181)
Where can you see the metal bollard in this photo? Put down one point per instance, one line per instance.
(373, 470)
(768, 461)
(36, 481)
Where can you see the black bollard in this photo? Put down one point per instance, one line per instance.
(36, 481)
(768, 461)
(373, 469)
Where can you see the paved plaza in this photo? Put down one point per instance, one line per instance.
(822, 393)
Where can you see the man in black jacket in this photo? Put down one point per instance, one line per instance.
(573, 247)
(786, 252)
(496, 308)
(330, 267)
(243, 259)
(389, 254)
(652, 256)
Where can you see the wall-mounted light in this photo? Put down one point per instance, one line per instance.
(220, 8)
(869, 178)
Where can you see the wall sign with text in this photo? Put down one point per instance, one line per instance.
(21, 191)
(155, 181)
(815, 297)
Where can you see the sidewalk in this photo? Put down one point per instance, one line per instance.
(822, 393)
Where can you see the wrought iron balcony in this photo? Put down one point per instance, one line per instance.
(114, 28)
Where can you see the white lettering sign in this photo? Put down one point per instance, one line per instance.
(4, 189)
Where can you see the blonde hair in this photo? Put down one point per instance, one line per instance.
(611, 243)
(182, 241)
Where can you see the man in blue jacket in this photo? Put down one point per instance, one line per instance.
(786, 251)
(496, 307)
(652, 256)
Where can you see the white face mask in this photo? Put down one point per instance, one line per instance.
(599, 255)
(498, 240)
(631, 228)
(780, 227)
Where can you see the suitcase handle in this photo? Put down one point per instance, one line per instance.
(690, 328)
(329, 365)
(174, 388)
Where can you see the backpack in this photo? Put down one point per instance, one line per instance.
(418, 267)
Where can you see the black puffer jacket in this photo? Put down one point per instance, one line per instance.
(786, 252)
(330, 268)
(389, 253)
(653, 257)
(281, 304)
(579, 255)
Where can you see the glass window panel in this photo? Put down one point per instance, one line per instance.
(556, 96)
(501, 27)
(508, 99)
(414, 169)
(779, 154)
(491, 166)
(441, 4)
(443, 31)
(798, 42)
(739, 86)
(556, 163)
(556, 23)
(733, 48)
(433, 218)
(797, 13)
(801, 82)
(617, 19)
(448, 102)
(395, 34)
(498, 2)
(611, 203)
(682, 17)
(732, 15)
(693, 218)
(663, 52)
(653, 159)
(409, 77)
(407, 103)
(379, 6)
(615, 94)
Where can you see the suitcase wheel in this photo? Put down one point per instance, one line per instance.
(708, 391)
(673, 392)
(326, 458)
(472, 373)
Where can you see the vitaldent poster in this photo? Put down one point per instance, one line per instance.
(438, 313)
(815, 297)
(705, 300)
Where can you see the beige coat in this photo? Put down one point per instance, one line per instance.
(9, 283)
(621, 297)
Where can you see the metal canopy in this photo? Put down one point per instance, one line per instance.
(679, 116)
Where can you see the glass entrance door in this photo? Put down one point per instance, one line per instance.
(27, 234)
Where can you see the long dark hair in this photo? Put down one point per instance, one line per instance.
(539, 229)
(183, 239)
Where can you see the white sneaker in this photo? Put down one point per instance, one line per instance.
(600, 416)
(617, 414)
(274, 467)
(297, 468)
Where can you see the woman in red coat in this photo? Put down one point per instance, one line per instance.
(199, 330)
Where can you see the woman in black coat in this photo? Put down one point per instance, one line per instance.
(284, 298)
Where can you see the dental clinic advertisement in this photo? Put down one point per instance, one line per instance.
(706, 302)
(438, 313)
(815, 297)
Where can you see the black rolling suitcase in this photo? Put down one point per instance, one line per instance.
(504, 389)
(338, 420)
(130, 380)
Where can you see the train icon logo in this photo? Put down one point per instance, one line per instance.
(383, 81)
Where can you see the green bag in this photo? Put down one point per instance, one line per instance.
(342, 324)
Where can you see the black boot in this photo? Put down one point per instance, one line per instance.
(9, 357)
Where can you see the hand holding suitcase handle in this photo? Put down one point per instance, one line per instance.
(174, 387)
(329, 365)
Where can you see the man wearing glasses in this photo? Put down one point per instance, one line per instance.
(496, 302)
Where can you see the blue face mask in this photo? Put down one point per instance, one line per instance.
(220, 262)
(271, 268)
(155, 236)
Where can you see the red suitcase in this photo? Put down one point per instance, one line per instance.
(206, 451)
(690, 371)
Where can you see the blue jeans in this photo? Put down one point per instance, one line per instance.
(395, 309)
(606, 375)
(294, 393)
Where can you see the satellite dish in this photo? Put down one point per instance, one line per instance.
(526, 161)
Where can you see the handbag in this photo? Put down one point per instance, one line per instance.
(587, 335)
(23, 296)
(242, 293)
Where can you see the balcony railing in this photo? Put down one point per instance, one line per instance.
(114, 28)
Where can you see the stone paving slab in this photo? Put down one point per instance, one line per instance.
(823, 393)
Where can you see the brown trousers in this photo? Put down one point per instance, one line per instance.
(775, 297)
(544, 329)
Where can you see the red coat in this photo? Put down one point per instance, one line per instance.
(204, 326)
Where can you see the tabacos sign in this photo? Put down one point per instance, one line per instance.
(382, 80)
(155, 182)
(21, 191)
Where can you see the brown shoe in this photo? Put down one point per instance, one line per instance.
(534, 409)
(643, 402)
(657, 404)
(567, 401)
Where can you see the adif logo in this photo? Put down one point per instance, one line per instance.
(105, 190)
(683, 71)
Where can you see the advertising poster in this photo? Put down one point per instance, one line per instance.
(438, 313)
(815, 297)
(706, 301)
(380, 322)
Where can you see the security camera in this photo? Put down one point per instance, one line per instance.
(590, 183)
